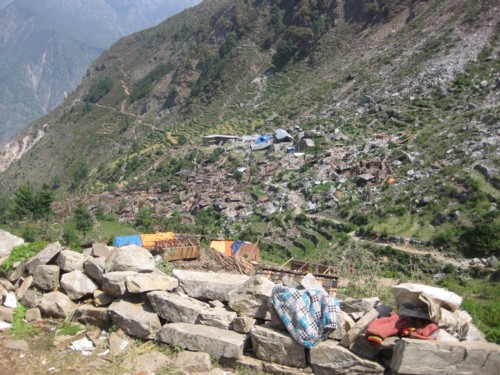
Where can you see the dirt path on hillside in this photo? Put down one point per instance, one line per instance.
(405, 248)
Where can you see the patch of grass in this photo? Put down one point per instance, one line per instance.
(22, 253)
(481, 299)
(69, 329)
(20, 328)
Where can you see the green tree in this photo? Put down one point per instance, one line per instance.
(28, 203)
(144, 219)
(83, 219)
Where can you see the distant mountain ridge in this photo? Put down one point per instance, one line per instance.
(47, 45)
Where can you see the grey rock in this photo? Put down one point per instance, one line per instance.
(219, 317)
(359, 328)
(33, 314)
(445, 336)
(94, 267)
(273, 368)
(243, 324)
(176, 307)
(346, 323)
(77, 285)
(56, 305)
(43, 257)
(473, 333)
(275, 320)
(100, 250)
(119, 342)
(69, 260)
(216, 341)
(277, 346)
(16, 272)
(6, 314)
(25, 284)
(359, 305)
(431, 357)
(289, 282)
(102, 299)
(147, 282)
(8, 242)
(310, 282)
(193, 362)
(251, 298)
(31, 299)
(208, 285)
(130, 258)
(135, 317)
(91, 315)
(215, 303)
(330, 358)
(46, 277)
(363, 348)
(114, 283)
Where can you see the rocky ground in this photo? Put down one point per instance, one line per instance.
(111, 311)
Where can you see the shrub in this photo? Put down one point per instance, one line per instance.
(98, 90)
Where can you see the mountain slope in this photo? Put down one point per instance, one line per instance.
(46, 47)
(399, 96)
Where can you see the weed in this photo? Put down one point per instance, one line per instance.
(20, 328)
(22, 253)
(69, 329)
(164, 266)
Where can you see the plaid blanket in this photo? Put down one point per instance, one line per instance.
(309, 315)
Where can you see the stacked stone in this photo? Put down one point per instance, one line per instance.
(224, 315)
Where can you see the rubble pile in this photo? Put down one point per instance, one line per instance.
(230, 316)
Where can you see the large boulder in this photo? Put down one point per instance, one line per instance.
(432, 358)
(43, 257)
(56, 305)
(114, 284)
(277, 346)
(176, 307)
(130, 258)
(208, 285)
(69, 260)
(251, 298)
(94, 267)
(195, 337)
(135, 317)
(46, 277)
(147, 282)
(77, 285)
(330, 358)
(8, 242)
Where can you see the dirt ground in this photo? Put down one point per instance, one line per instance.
(38, 355)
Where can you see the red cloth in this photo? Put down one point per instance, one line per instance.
(395, 325)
